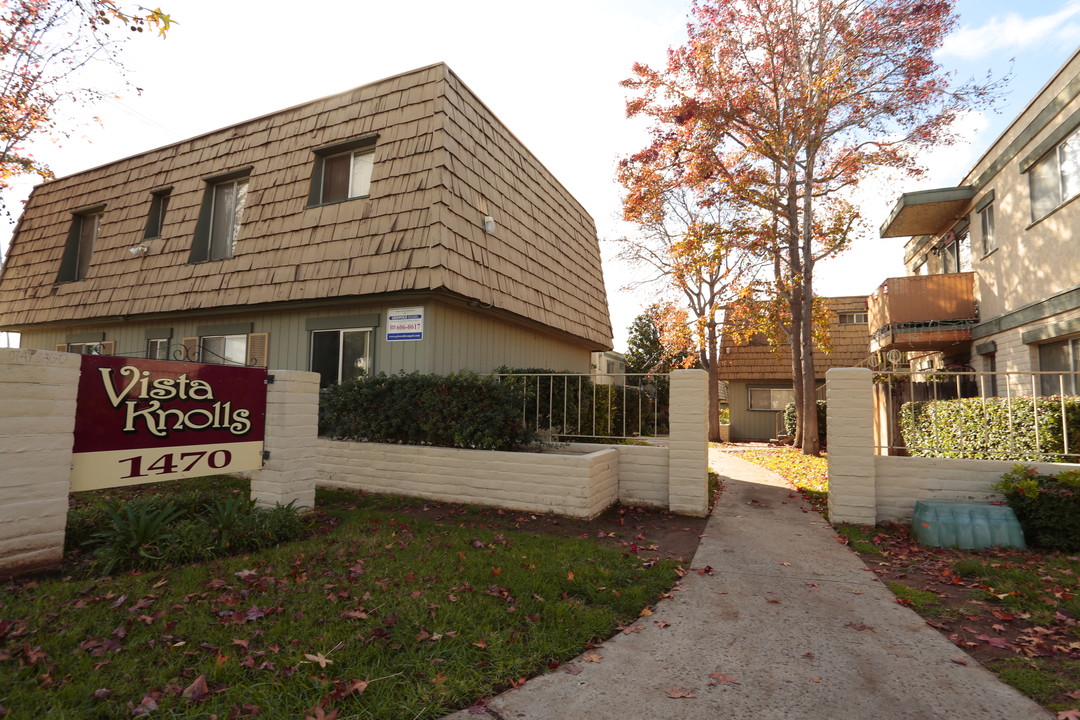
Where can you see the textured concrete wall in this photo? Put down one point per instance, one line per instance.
(852, 490)
(903, 480)
(292, 430)
(37, 419)
(865, 488)
(643, 475)
(579, 485)
(688, 481)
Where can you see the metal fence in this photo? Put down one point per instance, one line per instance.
(1029, 416)
(604, 406)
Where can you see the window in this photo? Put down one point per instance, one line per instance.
(1055, 178)
(339, 355)
(342, 171)
(157, 349)
(956, 253)
(855, 318)
(770, 398)
(986, 220)
(80, 246)
(1064, 357)
(226, 214)
(155, 220)
(347, 175)
(220, 217)
(223, 349)
(88, 348)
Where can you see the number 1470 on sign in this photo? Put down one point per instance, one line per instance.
(170, 463)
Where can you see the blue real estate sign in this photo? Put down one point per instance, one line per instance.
(405, 324)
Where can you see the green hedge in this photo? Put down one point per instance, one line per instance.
(790, 420)
(1047, 506)
(992, 428)
(462, 410)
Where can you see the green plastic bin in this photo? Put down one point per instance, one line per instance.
(965, 525)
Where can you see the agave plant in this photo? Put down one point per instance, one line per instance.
(134, 533)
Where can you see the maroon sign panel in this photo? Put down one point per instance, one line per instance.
(142, 421)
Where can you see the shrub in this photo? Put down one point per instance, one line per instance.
(991, 428)
(1047, 506)
(460, 410)
(153, 531)
(134, 535)
(790, 420)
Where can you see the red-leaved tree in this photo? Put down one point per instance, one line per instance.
(787, 105)
(44, 47)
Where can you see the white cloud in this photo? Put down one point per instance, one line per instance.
(1013, 32)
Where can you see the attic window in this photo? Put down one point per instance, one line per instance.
(155, 219)
(80, 245)
(220, 217)
(342, 171)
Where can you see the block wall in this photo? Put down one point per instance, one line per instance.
(37, 421)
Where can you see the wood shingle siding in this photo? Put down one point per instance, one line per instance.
(761, 362)
(442, 162)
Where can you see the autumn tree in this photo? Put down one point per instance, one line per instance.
(659, 340)
(787, 105)
(45, 45)
(703, 252)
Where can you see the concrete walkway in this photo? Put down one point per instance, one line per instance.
(794, 624)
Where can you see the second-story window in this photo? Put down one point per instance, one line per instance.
(80, 246)
(853, 318)
(956, 253)
(226, 215)
(155, 219)
(1055, 178)
(220, 218)
(342, 171)
(347, 175)
(986, 222)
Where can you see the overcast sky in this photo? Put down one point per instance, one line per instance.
(549, 71)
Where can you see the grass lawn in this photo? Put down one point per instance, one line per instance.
(1016, 612)
(385, 616)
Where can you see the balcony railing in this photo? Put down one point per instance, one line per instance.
(922, 312)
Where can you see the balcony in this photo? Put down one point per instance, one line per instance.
(923, 312)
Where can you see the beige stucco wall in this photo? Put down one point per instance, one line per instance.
(454, 338)
(865, 488)
(37, 420)
(573, 485)
(1033, 261)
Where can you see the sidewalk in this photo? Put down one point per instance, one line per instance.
(792, 618)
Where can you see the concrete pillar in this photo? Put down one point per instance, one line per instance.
(38, 389)
(852, 474)
(688, 453)
(292, 429)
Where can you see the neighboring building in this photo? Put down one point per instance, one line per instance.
(609, 368)
(994, 260)
(759, 376)
(395, 226)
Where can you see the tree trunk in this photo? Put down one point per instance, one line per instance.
(709, 361)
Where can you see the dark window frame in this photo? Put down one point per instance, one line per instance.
(75, 264)
(361, 145)
(202, 245)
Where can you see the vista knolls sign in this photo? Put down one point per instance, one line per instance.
(140, 421)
